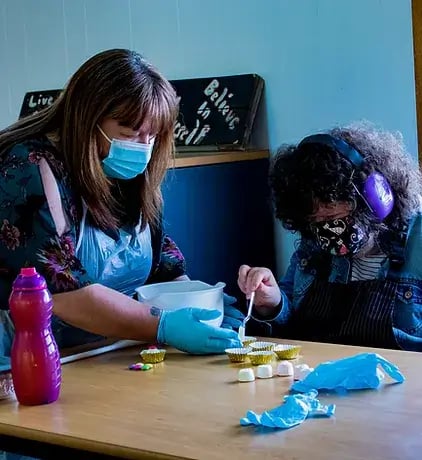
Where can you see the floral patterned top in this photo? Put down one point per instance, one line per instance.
(28, 234)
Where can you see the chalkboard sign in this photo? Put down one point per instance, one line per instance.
(35, 101)
(216, 112)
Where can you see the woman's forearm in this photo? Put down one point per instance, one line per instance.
(106, 312)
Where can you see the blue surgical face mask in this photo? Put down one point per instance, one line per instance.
(126, 159)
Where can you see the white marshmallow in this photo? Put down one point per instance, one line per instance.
(285, 369)
(264, 371)
(301, 371)
(246, 375)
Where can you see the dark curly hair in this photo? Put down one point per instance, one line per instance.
(303, 176)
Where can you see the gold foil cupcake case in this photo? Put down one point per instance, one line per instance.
(287, 351)
(261, 357)
(262, 346)
(246, 342)
(153, 356)
(238, 355)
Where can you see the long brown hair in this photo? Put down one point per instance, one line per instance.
(118, 84)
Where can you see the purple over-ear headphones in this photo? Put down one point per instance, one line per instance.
(375, 190)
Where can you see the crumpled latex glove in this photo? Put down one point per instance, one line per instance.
(183, 330)
(294, 411)
(356, 372)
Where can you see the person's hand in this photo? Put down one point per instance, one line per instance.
(262, 281)
(184, 330)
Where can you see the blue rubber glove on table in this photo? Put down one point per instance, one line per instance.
(183, 329)
(356, 372)
(295, 410)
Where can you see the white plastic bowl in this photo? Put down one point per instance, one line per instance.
(174, 295)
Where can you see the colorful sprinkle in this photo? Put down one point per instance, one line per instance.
(140, 367)
(136, 366)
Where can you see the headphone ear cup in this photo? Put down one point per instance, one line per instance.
(378, 194)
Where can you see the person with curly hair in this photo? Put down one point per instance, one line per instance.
(353, 195)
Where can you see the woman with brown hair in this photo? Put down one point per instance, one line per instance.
(81, 202)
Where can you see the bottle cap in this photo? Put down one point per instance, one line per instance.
(28, 271)
(28, 280)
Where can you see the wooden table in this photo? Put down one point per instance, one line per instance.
(189, 407)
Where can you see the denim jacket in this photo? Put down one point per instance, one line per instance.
(403, 264)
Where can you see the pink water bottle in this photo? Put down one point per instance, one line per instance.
(35, 358)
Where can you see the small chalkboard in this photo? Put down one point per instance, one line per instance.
(215, 112)
(35, 101)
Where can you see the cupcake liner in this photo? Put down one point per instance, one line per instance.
(246, 342)
(287, 351)
(153, 356)
(238, 355)
(262, 346)
(261, 357)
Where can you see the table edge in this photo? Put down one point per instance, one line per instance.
(81, 444)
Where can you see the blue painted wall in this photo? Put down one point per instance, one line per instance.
(324, 61)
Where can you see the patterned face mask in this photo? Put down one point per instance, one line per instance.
(339, 237)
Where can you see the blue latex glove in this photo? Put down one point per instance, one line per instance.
(294, 411)
(5, 365)
(353, 373)
(6, 339)
(229, 299)
(183, 330)
(233, 317)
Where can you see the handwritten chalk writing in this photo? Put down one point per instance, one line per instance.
(194, 137)
(204, 110)
(40, 101)
(220, 101)
(202, 133)
(34, 101)
(180, 131)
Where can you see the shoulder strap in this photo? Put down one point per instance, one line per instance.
(53, 197)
